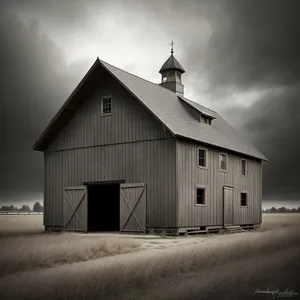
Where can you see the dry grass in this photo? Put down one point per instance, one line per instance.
(277, 220)
(222, 262)
(19, 253)
(113, 277)
(20, 224)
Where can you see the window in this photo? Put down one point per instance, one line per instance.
(164, 78)
(106, 106)
(223, 162)
(207, 121)
(243, 199)
(178, 77)
(201, 157)
(244, 167)
(200, 196)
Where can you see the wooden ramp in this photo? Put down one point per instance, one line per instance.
(234, 229)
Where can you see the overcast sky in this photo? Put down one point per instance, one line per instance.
(241, 59)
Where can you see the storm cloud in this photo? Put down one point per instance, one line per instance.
(34, 83)
(241, 57)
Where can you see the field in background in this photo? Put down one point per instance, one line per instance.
(275, 220)
(20, 224)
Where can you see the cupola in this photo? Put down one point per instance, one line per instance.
(171, 72)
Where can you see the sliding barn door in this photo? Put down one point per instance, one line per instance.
(75, 208)
(133, 207)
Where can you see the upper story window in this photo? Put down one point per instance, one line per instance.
(223, 162)
(207, 120)
(243, 167)
(202, 158)
(106, 104)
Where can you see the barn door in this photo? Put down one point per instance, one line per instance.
(133, 207)
(228, 206)
(75, 208)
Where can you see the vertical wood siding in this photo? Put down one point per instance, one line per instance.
(149, 162)
(130, 145)
(129, 121)
(189, 175)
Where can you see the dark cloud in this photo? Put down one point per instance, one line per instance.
(273, 125)
(252, 44)
(34, 83)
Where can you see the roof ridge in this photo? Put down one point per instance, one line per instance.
(156, 84)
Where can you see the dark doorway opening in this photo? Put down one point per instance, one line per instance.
(104, 207)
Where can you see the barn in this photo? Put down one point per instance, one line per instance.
(128, 155)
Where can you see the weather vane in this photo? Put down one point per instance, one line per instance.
(172, 48)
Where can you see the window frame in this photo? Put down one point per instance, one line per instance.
(198, 157)
(246, 193)
(223, 170)
(246, 167)
(200, 187)
(102, 99)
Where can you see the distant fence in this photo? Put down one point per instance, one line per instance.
(20, 213)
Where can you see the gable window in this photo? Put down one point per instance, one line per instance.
(244, 199)
(223, 162)
(200, 196)
(207, 121)
(244, 167)
(202, 157)
(106, 106)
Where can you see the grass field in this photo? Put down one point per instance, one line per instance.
(76, 266)
(275, 220)
(21, 253)
(20, 224)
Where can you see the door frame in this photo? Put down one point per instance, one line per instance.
(228, 187)
(101, 182)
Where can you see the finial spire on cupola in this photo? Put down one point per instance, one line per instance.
(172, 47)
(171, 72)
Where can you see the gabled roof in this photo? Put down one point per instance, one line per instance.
(170, 64)
(166, 106)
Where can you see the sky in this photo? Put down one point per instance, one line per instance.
(241, 59)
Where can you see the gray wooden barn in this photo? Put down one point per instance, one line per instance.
(125, 154)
